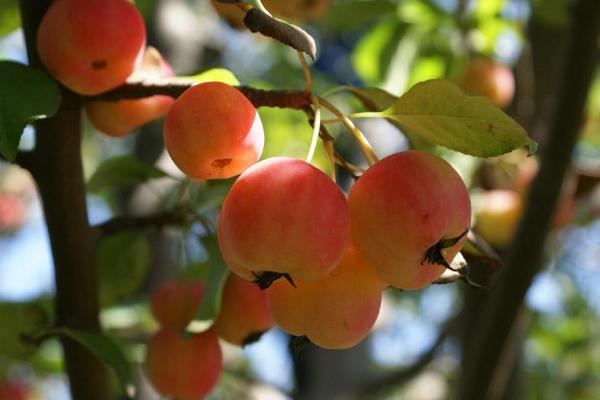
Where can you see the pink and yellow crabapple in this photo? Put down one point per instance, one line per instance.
(91, 46)
(283, 216)
(119, 118)
(213, 132)
(401, 209)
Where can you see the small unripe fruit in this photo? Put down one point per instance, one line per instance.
(244, 315)
(91, 46)
(401, 209)
(213, 131)
(174, 304)
(485, 77)
(285, 216)
(498, 215)
(334, 312)
(185, 368)
(119, 118)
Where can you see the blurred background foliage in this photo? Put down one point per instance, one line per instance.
(417, 342)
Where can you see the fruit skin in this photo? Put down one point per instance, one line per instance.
(498, 215)
(401, 207)
(286, 216)
(91, 46)
(183, 368)
(174, 304)
(119, 118)
(334, 312)
(244, 314)
(213, 131)
(485, 77)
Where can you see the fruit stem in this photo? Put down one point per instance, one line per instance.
(360, 138)
(317, 108)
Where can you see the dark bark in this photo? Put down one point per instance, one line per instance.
(56, 167)
(524, 257)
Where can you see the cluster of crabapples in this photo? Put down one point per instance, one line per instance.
(401, 225)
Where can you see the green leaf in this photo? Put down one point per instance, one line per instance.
(123, 261)
(9, 16)
(17, 319)
(121, 172)
(102, 347)
(375, 99)
(211, 301)
(442, 113)
(374, 52)
(26, 94)
(355, 13)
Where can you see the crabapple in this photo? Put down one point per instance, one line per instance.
(91, 46)
(185, 368)
(283, 216)
(213, 131)
(486, 77)
(174, 304)
(498, 215)
(244, 315)
(118, 118)
(409, 214)
(334, 312)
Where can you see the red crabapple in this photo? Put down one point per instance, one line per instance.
(174, 304)
(119, 118)
(244, 315)
(91, 46)
(486, 77)
(283, 216)
(334, 312)
(401, 209)
(185, 368)
(213, 131)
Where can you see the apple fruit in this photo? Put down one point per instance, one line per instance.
(91, 46)
(283, 216)
(410, 213)
(119, 118)
(213, 132)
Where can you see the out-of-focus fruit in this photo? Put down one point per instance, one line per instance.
(497, 216)
(119, 118)
(174, 304)
(184, 368)
(486, 77)
(244, 315)
(336, 311)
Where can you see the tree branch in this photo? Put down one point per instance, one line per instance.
(57, 169)
(295, 99)
(156, 221)
(524, 256)
(401, 376)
